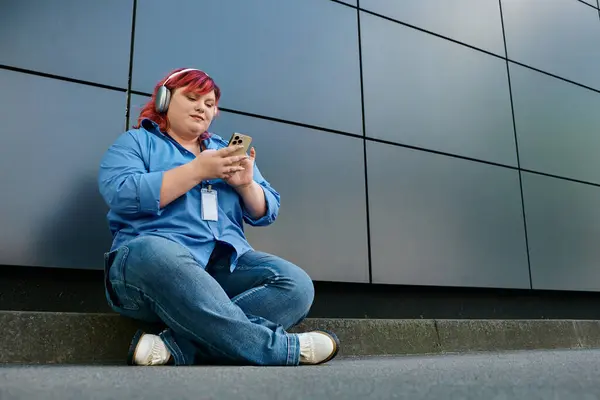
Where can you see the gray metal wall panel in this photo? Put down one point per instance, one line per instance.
(438, 220)
(51, 213)
(295, 60)
(591, 2)
(351, 2)
(322, 224)
(563, 226)
(558, 125)
(136, 103)
(559, 36)
(86, 40)
(474, 22)
(425, 91)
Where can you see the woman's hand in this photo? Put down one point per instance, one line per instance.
(244, 178)
(212, 164)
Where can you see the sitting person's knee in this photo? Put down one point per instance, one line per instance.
(303, 287)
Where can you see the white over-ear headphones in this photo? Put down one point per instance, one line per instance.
(163, 95)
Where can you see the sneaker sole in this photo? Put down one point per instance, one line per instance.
(133, 346)
(336, 345)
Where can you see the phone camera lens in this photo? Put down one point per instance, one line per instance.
(237, 138)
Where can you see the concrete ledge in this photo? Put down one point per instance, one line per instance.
(73, 338)
(364, 337)
(499, 335)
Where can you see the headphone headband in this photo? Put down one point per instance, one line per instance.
(181, 72)
(163, 95)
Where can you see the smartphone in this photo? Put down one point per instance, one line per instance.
(244, 140)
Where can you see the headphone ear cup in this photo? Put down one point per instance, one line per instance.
(163, 97)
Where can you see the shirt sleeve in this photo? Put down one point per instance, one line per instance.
(124, 181)
(272, 199)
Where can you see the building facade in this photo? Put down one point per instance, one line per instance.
(413, 142)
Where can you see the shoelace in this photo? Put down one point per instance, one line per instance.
(156, 352)
(309, 347)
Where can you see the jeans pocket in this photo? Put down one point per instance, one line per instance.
(114, 281)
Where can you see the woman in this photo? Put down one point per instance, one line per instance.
(178, 199)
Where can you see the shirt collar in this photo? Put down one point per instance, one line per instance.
(151, 126)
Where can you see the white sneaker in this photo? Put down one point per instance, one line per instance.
(318, 347)
(148, 349)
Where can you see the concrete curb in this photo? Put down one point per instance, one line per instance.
(74, 338)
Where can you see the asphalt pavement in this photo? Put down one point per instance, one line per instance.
(531, 375)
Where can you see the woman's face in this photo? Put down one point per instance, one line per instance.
(190, 114)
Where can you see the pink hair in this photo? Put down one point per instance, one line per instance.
(195, 81)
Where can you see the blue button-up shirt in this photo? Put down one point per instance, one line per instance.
(130, 179)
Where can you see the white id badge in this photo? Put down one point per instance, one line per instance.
(209, 205)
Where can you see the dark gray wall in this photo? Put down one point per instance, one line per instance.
(413, 142)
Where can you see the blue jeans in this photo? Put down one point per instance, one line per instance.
(213, 316)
